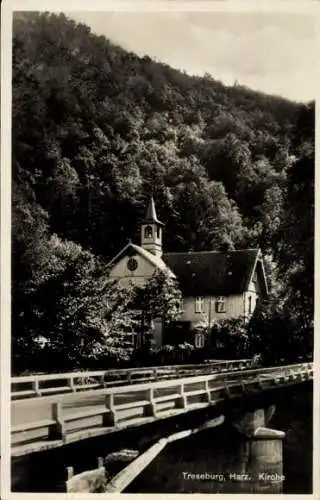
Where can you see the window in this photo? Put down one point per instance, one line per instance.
(181, 305)
(199, 340)
(220, 305)
(131, 339)
(199, 304)
(158, 232)
(148, 232)
(255, 277)
(127, 339)
(132, 264)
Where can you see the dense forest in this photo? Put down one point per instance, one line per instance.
(96, 129)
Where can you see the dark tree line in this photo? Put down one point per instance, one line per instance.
(97, 129)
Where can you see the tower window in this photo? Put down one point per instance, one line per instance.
(148, 232)
(158, 232)
(250, 304)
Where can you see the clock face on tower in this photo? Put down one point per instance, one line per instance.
(132, 264)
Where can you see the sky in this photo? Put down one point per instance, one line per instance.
(271, 52)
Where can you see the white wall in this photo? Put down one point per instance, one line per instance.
(254, 292)
(234, 308)
(144, 270)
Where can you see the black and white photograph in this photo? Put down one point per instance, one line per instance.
(161, 189)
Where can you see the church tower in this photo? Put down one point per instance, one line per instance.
(151, 231)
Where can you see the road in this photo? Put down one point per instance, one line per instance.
(40, 408)
(36, 409)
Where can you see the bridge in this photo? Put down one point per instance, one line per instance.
(44, 384)
(88, 404)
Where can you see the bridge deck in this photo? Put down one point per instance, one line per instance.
(55, 420)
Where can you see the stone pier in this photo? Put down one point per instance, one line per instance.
(261, 452)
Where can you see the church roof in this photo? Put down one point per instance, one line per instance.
(151, 215)
(215, 273)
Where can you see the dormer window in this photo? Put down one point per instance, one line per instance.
(220, 305)
(148, 232)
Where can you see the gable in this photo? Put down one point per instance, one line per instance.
(258, 279)
(146, 263)
(254, 285)
(121, 270)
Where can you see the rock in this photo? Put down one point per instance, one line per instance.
(92, 481)
(124, 456)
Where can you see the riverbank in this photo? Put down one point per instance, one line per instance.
(211, 462)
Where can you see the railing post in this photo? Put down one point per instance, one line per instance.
(181, 400)
(57, 431)
(259, 382)
(226, 388)
(155, 373)
(35, 387)
(243, 387)
(110, 417)
(306, 373)
(102, 382)
(292, 374)
(70, 473)
(150, 409)
(208, 391)
(71, 384)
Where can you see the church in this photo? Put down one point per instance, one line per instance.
(215, 285)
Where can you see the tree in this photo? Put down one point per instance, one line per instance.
(97, 146)
(295, 249)
(108, 128)
(73, 309)
(158, 299)
(204, 217)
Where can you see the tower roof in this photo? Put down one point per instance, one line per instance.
(151, 215)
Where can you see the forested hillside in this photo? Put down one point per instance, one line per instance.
(97, 129)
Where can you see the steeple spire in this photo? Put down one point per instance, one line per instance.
(151, 230)
(151, 215)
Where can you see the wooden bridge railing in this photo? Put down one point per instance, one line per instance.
(132, 405)
(38, 385)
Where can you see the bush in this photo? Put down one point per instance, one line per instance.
(165, 355)
(229, 339)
